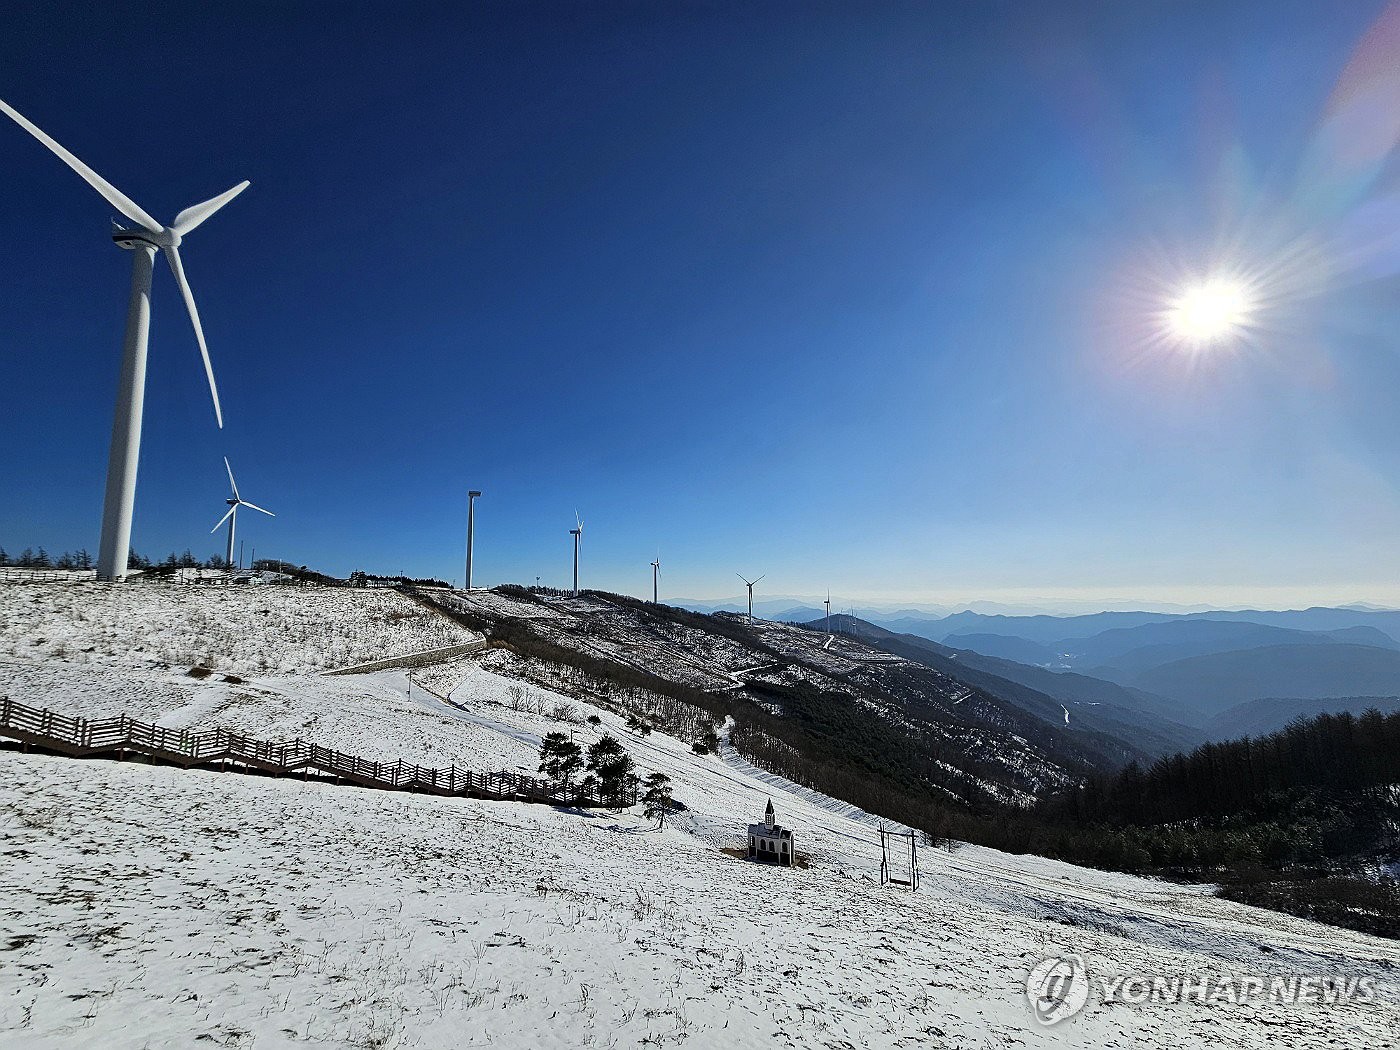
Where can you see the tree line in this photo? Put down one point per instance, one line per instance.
(40, 559)
(29, 558)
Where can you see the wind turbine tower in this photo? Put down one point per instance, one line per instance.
(471, 524)
(749, 584)
(143, 241)
(577, 534)
(655, 578)
(234, 502)
(827, 603)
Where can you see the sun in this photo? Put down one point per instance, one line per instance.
(1210, 312)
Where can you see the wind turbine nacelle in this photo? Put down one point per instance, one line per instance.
(130, 239)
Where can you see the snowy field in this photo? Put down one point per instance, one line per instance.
(240, 630)
(151, 907)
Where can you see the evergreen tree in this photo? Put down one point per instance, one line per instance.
(83, 558)
(560, 757)
(4, 558)
(41, 560)
(26, 558)
(187, 560)
(657, 798)
(66, 561)
(708, 742)
(612, 765)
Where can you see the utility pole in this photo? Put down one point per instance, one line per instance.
(471, 528)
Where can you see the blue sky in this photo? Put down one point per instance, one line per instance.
(859, 296)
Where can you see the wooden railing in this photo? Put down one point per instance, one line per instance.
(122, 737)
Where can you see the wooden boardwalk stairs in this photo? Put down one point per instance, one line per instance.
(221, 749)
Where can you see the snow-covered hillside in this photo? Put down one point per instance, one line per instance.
(151, 907)
(988, 746)
(241, 630)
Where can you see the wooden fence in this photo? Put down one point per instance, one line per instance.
(124, 737)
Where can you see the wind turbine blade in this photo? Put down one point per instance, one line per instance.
(193, 216)
(231, 482)
(172, 256)
(115, 197)
(254, 506)
(224, 519)
(761, 577)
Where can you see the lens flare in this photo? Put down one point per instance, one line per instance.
(1211, 312)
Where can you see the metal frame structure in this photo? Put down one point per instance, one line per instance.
(887, 878)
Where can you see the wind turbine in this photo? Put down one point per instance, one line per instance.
(234, 502)
(827, 603)
(577, 534)
(749, 584)
(655, 577)
(143, 241)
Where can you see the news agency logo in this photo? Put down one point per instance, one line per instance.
(1058, 987)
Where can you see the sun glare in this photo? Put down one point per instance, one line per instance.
(1210, 312)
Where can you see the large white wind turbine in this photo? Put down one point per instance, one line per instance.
(749, 584)
(656, 579)
(577, 534)
(234, 502)
(143, 242)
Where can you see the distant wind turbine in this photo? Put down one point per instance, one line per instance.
(655, 579)
(827, 603)
(749, 584)
(234, 502)
(472, 494)
(577, 534)
(143, 242)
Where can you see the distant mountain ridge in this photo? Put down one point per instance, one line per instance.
(1083, 703)
(1268, 715)
(1221, 680)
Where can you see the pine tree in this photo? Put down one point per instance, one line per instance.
(560, 757)
(657, 798)
(66, 561)
(4, 558)
(83, 558)
(26, 558)
(41, 560)
(613, 767)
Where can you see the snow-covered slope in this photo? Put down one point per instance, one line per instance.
(142, 906)
(983, 744)
(241, 630)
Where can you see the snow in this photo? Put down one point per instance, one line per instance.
(288, 630)
(149, 907)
